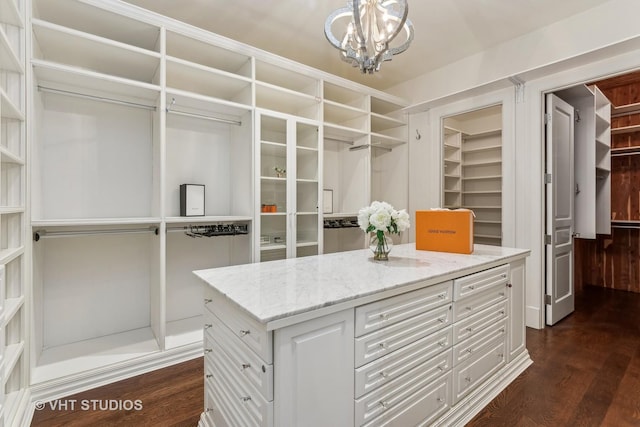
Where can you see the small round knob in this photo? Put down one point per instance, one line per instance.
(244, 332)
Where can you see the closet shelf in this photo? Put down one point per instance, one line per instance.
(341, 133)
(476, 150)
(625, 110)
(8, 255)
(9, 60)
(8, 108)
(7, 157)
(482, 178)
(12, 354)
(487, 134)
(11, 307)
(625, 129)
(96, 353)
(207, 219)
(69, 78)
(625, 151)
(94, 52)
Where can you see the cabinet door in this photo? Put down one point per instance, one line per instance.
(288, 186)
(314, 372)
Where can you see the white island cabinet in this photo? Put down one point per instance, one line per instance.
(426, 338)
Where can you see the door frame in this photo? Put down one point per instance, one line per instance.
(530, 197)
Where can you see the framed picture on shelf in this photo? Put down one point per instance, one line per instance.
(327, 201)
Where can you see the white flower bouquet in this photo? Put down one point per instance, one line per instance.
(381, 217)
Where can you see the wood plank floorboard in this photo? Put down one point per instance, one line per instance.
(586, 372)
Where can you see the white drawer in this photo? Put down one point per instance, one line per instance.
(212, 415)
(422, 407)
(379, 314)
(251, 332)
(478, 321)
(478, 368)
(241, 404)
(384, 399)
(477, 282)
(476, 343)
(478, 302)
(246, 362)
(386, 340)
(391, 366)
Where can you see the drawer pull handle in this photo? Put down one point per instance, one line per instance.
(383, 374)
(245, 366)
(469, 350)
(441, 369)
(500, 356)
(384, 316)
(244, 332)
(502, 330)
(384, 404)
(383, 345)
(442, 319)
(442, 343)
(503, 275)
(469, 308)
(502, 312)
(246, 398)
(468, 379)
(207, 301)
(469, 330)
(207, 350)
(208, 325)
(501, 294)
(208, 376)
(440, 400)
(442, 296)
(209, 410)
(472, 287)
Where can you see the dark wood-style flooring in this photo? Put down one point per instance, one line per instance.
(586, 372)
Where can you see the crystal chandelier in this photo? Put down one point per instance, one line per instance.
(369, 28)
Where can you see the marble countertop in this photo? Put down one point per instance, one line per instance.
(275, 290)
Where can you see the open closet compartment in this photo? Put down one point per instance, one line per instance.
(610, 260)
(472, 169)
(207, 143)
(592, 159)
(95, 194)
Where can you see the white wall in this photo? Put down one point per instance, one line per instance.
(600, 42)
(601, 27)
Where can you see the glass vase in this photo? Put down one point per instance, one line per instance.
(380, 245)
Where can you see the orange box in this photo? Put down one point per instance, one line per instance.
(445, 230)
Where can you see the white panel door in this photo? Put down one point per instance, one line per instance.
(560, 209)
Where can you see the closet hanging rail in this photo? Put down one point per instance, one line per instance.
(201, 116)
(96, 98)
(37, 235)
(363, 146)
(344, 141)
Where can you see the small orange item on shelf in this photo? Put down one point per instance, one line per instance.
(445, 230)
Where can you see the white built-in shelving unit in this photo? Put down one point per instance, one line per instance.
(592, 160)
(127, 106)
(472, 165)
(13, 214)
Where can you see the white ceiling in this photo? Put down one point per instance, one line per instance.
(445, 30)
